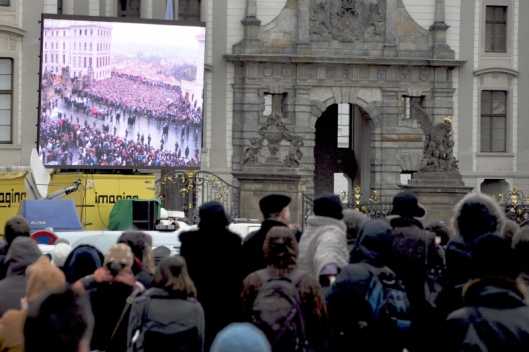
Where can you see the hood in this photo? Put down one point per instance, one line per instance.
(280, 248)
(22, 252)
(240, 337)
(477, 214)
(43, 276)
(82, 261)
(374, 243)
(495, 293)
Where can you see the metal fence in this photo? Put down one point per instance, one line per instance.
(187, 190)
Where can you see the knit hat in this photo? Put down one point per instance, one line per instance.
(60, 253)
(42, 276)
(406, 205)
(273, 204)
(328, 205)
(119, 257)
(240, 337)
(493, 257)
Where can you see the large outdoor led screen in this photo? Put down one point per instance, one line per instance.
(116, 93)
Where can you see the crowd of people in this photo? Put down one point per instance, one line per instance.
(96, 147)
(345, 283)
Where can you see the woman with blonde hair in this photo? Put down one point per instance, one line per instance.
(168, 317)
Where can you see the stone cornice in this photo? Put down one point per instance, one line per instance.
(12, 29)
(380, 61)
(507, 71)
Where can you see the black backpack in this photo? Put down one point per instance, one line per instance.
(277, 311)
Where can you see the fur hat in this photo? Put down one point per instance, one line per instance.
(241, 337)
(60, 253)
(273, 204)
(42, 276)
(119, 257)
(329, 205)
(493, 257)
(405, 204)
(477, 214)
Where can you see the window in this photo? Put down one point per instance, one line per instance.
(493, 121)
(129, 8)
(189, 10)
(90, 46)
(408, 112)
(344, 126)
(4, 3)
(496, 29)
(63, 46)
(74, 46)
(6, 92)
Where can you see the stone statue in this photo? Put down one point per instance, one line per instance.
(252, 153)
(438, 153)
(294, 152)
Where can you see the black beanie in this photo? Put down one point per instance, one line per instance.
(493, 257)
(328, 205)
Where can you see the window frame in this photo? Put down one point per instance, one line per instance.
(6, 5)
(186, 16)
(506, 117)
(509, 28)
(11, 93)
(494, 23)
(127, 13)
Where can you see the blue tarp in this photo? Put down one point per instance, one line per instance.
(57, 214)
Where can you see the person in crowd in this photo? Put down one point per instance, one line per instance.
(60, 253)
(441, 232)
(281, 253)
(23, 251)
(141, 245)
(353, 220)
(474, 215)
(213, 256)
(159, 253)
(509, 229)
(495, 316)
(520, 243)
(59, 321)
(15, 226)
(323, 246)
(240, 337)
(168, 315)
(350, 314)
(42, 277)
(82, 261)
(116, 286)
(414, 253)
(276, 213)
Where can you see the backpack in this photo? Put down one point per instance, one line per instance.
(388, 301)
(277, 311)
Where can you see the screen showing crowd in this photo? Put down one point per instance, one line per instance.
(120, 94)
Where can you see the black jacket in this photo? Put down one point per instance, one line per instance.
(213, 257)
(252, 249)
(495, 318)
(166, 314)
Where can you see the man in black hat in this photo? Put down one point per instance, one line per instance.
(275, 213)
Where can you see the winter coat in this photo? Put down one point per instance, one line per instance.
(323, 242)
(22, 253)
(12, 331)
(282, 263)
(213, 257)
(3, 252)
(496, 318)
(252, 248)
(346, 299)
(108, 301)
(83, 260)
(166, 314)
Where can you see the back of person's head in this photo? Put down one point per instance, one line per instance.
(440, 231)
(212, 215)
(60, 253)
(354, 220)
(42, 276)
(172, 276)
(141, 245)
(159, 253)
(59, 321)
(14, 227)
(23, 252)
(272, 205)
(493, 257)
(280, 247)
(118, 258)
(520, 243)
(240, 337)
(509, 229)
(83, 260)
(328, 205)
(477, 214)
(373, 244)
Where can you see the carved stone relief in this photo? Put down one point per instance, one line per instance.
(347, 20)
